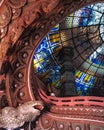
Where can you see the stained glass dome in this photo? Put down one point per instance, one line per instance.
(84, 31)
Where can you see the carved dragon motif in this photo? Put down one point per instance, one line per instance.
(11, 118)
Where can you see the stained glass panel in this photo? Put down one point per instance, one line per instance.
(84, 31)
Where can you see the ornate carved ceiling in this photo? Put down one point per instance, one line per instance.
(23, 24)
(18, 19)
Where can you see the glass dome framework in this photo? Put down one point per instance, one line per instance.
(84, 31)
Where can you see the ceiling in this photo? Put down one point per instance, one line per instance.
(84, 31)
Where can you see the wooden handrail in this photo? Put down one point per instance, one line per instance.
(72, 101)
(68, 101)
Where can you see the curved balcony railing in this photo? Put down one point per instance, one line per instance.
(72, 101)
(68, 101)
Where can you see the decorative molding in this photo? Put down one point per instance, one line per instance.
(55, 122)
